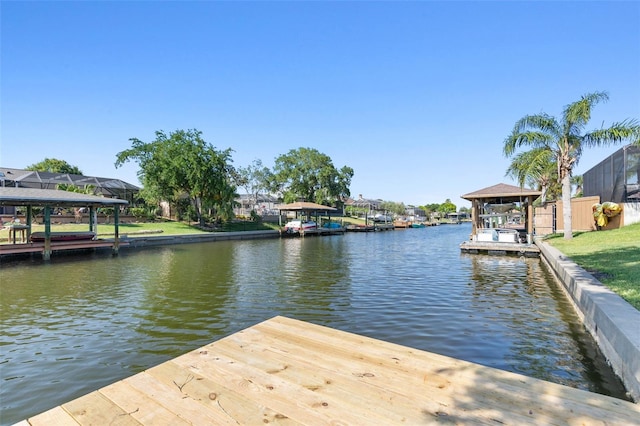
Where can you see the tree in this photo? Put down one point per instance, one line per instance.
(538, 169)
(565, 140)
(54, 165)
(447, 207)
(398, 209)
(308, 174)
(577, 182)
(255, 178)
(183, 164)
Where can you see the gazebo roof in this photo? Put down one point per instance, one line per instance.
(53, 197)
(503, 191)
(302, 206)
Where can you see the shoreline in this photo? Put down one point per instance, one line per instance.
(612, 322)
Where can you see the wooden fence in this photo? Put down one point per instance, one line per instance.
(549, 219)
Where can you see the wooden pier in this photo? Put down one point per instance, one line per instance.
(285, 371)
(371, 228)
(492, 247)
(315, 232)
(39, 247)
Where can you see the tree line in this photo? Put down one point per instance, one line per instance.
(185, 170)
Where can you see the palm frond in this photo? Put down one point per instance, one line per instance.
(535, 139)
(627, 130)
(578, 113)
(537, 130)
(536, 164)
(542, 122)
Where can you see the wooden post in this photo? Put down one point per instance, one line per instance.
(29, 214)
(91, 219)
(46, 254)
(116, 223)
(530, 216)
(474, 216)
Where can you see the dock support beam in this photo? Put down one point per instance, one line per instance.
(46, 254)
(29, 215)
(116, 223)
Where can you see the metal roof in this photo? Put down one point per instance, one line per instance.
(53, 197)
(306, 207)
(501, 190)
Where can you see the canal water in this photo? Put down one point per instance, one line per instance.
(81, 322)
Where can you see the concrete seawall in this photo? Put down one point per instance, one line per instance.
(160, 240)
(614, 323)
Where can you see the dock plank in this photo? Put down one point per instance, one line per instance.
(385, 377)
(450, 375)
(96, 409)
(57, 416)
(288, 372)
(215, 396)
(294, 401)
(140, 405)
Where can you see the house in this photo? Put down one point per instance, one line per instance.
(616, 178)
(106, 187)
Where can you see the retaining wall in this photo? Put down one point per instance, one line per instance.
(614, 323)
(159, 240)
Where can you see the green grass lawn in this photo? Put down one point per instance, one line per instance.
(612, 256)
(147, 228)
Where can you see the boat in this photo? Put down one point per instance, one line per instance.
(382, 218)
(332, 225)
(418, 225)
(64, 236)
(297, 225)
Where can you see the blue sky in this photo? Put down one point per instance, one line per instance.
(416, 97)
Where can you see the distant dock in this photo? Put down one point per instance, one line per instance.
(371, 228)
(286, 371)
(498, 248)
(314, 232)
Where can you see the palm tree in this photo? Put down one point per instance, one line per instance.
(538, 169)
(565, 140)
(577, 181)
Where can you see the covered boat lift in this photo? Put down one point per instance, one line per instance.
(306, 208)
(492, 206)
(52, 198)
(310, 209)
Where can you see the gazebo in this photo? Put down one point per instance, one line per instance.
(498, 205)
(51, 198)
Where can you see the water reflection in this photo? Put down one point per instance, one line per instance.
(308, 282)
(79, 323)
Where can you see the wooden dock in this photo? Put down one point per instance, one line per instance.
(371, 228)
(285, 371)
(315, 232)
(38, 247)
(493, 247)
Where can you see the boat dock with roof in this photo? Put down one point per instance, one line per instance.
(502, 221)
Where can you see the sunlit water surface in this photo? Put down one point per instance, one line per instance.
(81, 322)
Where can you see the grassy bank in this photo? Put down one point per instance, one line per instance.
(613, 257)
(137, 229)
